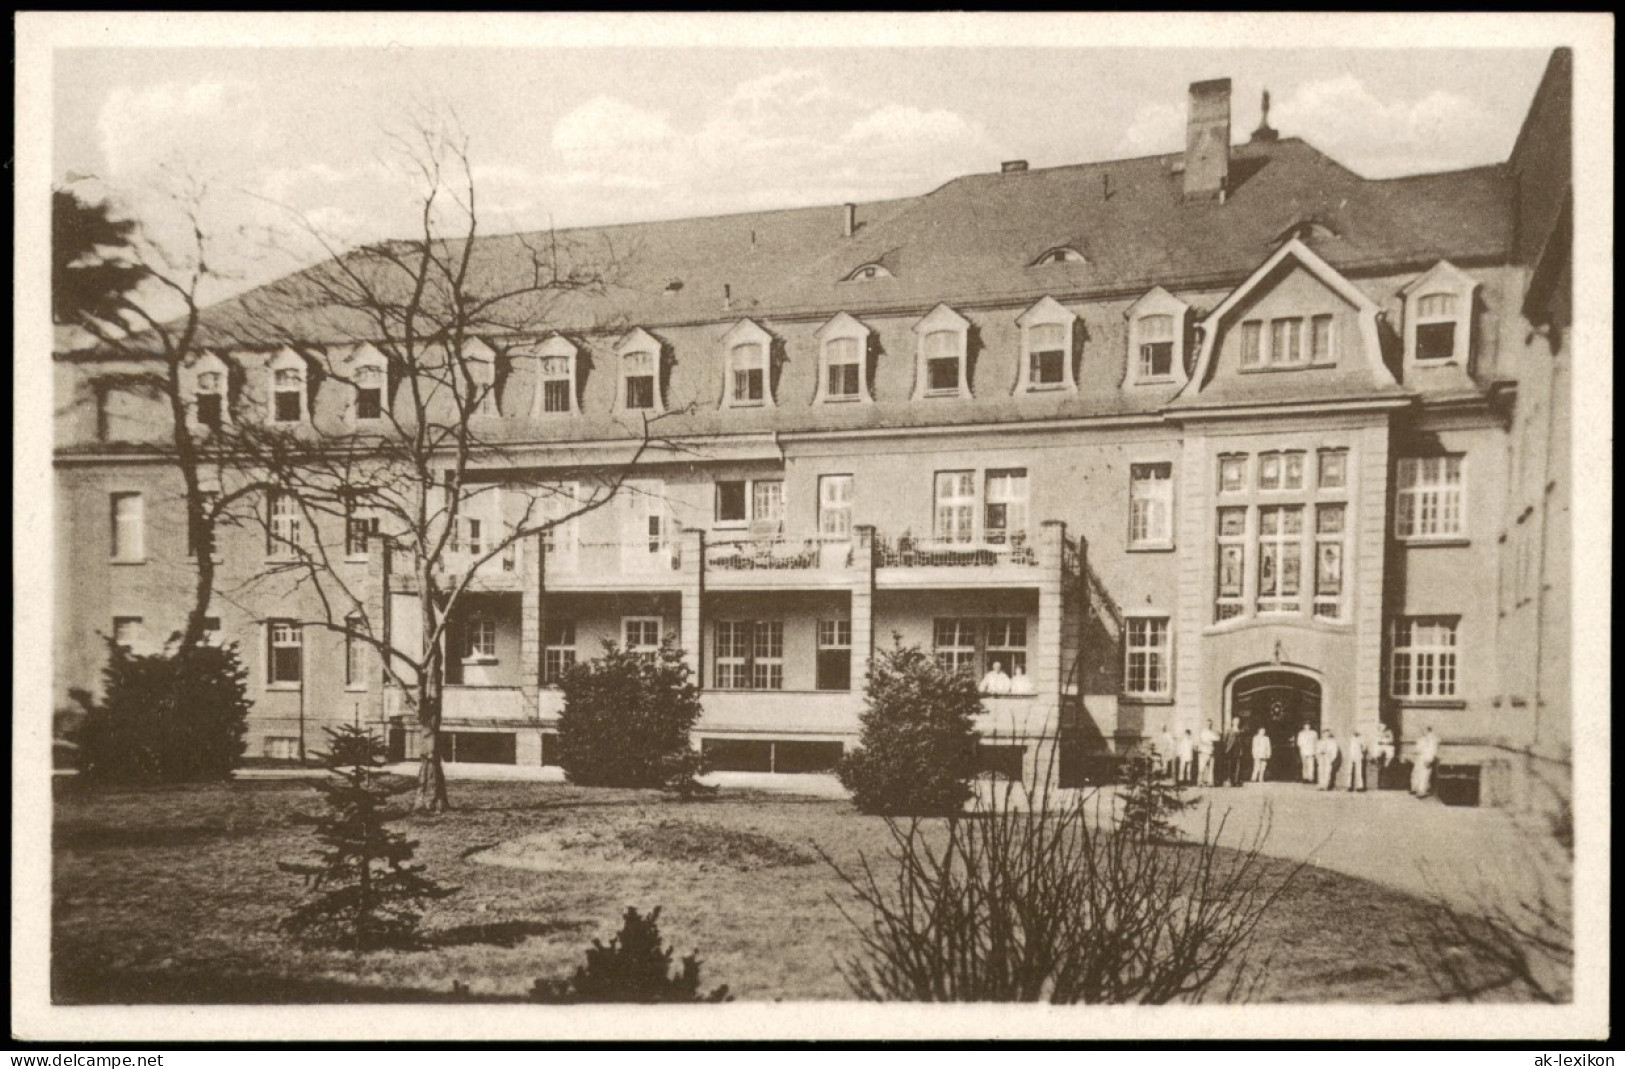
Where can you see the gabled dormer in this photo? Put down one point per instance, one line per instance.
(1295, 315)
(1439, 318)
(1158, 327)
(479, 390)
(206, 391)
(367, 372)
(943, 361)
(1048, 339)
(287, 388)
(843, 361)
(747, 361)
(638, 373)
(556, 362)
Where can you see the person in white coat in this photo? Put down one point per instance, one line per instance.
(1383, 752)
(1187, 756)
(1206, 743)
(1326, 758)
(1308, 746)
(996, 682)
(1354, 755)
(1261, 754)
(1427, 755)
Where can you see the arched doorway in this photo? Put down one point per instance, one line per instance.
(1280, 701)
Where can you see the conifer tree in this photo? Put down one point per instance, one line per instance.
(366, 892)
(1150, 798)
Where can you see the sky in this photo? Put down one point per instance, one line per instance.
(573, 136)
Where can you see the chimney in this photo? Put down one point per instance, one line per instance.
(1207, 140)
(849, 225)
(1012, 166)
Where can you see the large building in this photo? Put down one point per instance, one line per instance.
(1232, 435)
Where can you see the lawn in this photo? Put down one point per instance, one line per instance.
(173, 895)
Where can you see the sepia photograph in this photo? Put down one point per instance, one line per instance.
(527, 516)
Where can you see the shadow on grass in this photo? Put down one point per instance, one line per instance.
(497, 933)
(172, 988)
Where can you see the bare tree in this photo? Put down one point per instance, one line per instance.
(422, 332)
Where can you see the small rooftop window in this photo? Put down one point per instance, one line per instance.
(1061, 255)
(868, 273)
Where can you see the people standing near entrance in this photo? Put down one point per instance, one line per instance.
(1355, 755)
(1427, 754)
(1308, 746)
(1326, 754)
(1261, 754)
(1383, 752)
(1235, 751)
(1187, 756)
(1206, 743)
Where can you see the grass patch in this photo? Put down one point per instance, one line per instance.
(173, 894)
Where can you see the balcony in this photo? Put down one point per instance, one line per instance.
(618, 565)
(908, 561)
(480, 705)
(778, 560)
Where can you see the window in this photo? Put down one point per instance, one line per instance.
(1436, 326)
(641, 634)
(742, 501)
(1007, 644)
(1292, 471)
(842, 366)
(1232, 564)
(286, 658)
(288, 395)
(1286, 341)
(1428, 498)
(1425, 657)
(210, 500)
(555, 371)
(955, 644)
(750, 655)
(1269, 471)
(480, 640)
(1151, 505)
(1061, 255)
(1232, 474)
(956, 506)
(285, 526)
(1329, 526)
(210, 399)
(834, 655)
(1280, 471)
(127, 632)
(638, 373)
(645, 523)
(1046, 355)
(942, 352)
(1156, 347)
(358, 532)
(1280, 557)
(558, 650)
(868, 273)
(1334, 466)
(561, 539)
(472, 541)
(835, 505)
(369, 393)
(355, 649)
(129, 527)
(1320, 339)
(748, 364)
(1146, 657)
(1252, 348)
(1005, 516)
(282, 747)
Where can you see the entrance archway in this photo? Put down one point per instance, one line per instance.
(1281, 701)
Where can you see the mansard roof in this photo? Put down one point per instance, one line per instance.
(972, 241)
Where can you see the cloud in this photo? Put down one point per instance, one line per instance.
(1377, 137)
(607, 124)
(141, 129)
(1155, 128)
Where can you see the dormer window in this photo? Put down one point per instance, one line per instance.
(868, 273)
(287, 387)
(556, 377)
(1438, 316)
(639, 356)
(843, 344)
(482, 380)
(1046, 343)
(1061, 255)
(747, 348)
(1157, 338)
(369, 393)
(944, 335)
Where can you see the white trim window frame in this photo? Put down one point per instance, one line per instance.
(943, 348)
(555, 363)
(1233, 538)
(1322, 340)
(1280, 559)
(479, 640)
(843, 361)
(1151, 505)
(747, 366)
(1430, 498)
(558, 650)
(1005, 641)
(1147, 657)
(127, 513)
(954, 642)
(1331, 555)
(1156, 339)
(369, 378)
(1047, 338)
(641, 635)
(284, 526)
(758, 501)
(1005, 509)
(1425, 658)
(289, 380)
(835, 505)
(360, 526)
(1286, 342)
(207, 380)
(638, 356)
(749, 655)
(1441, 300)
(285, 654)
(645, 526)
(834, 656)
(954, 511)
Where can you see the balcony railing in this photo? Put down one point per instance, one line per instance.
(459, 557)
(644, 556)
(908, 552)
(779, 553)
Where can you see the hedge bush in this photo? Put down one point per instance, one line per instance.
(627, 718)
(166, 717)
(918, 739)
